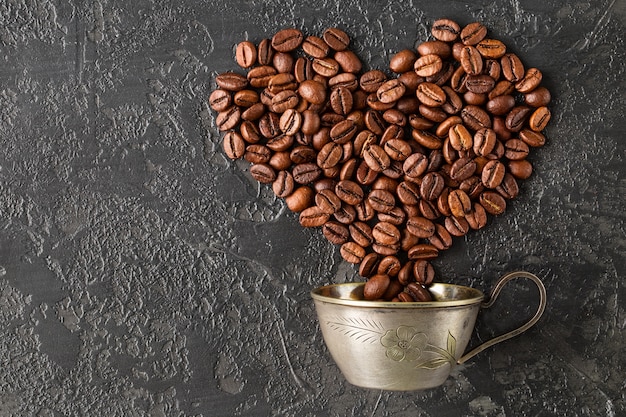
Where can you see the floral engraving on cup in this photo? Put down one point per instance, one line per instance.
(404, 343)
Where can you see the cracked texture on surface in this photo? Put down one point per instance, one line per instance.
(142, 273)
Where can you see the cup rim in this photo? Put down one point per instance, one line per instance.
(351, 293)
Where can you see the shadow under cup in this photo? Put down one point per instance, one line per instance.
(405, 346)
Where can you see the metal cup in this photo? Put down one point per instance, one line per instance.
(406, 346)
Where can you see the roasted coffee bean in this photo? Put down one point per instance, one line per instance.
(415, 165)
(220, 100)
(234, 145)
(343, 131)
(369, 265)
(346, 214)
(460, 138)
(371, 80)
(326, 67)
(257, 154)
(441, 239)
(475, 118)
(463, 168)
(376, 286)
(539, 119)
(453, 104)
(473, 33)
(352, 252)
(386, 234)
(330, 155)
(538, 97)
(459, 202)
(395, 216)
(287, 39)
(315, 47)
(427, 139)
(312, 91)
(475, 99)
(263, 173)
(348, 61)
(428, 65)
(435, 48)
(300, 199)
(512, 67)
(517, 117)
(231, 81)
(479, 84)
(284, 184)
(471, 60)
(290, 122)
(349, 192)
(430, 94)
(420, 227)
(423, 272)
(515, 149)
(428, 209)
(336, 38)
(390, 91)
(380, 200)
(491, 48)
(408, 192)
(390, 265)
(335, 232)
(422, 251)
(418, 292)
(431, 186)
(306, 173)
(493, 174)
(246, 54)
(365, 175)
(500, 105)
(228, 118)
(246, 98)
(341, 100)
(456, 226)
(376, 158)
(269, 125)
(361, 233)
(532, 79)
(484, 141)
(406, 274)
(445, 30)
(477, 218)
(374, 122)
(492, 202)
(265, 52)
(458, 79)
(492, 68)
(435, 114)
(402, 61)
(508, 188)
(521, 169)
(259, 77)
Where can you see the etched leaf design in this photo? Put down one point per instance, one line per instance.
(363, 330)
(433, 363)
(451, 344)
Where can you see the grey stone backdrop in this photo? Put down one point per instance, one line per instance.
(144, 274)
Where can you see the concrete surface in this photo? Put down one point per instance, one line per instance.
(144, 274)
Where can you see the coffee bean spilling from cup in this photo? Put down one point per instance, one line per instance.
(390, 165)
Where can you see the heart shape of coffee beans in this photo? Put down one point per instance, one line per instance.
(390, 165)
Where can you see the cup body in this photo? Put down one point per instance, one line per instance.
(393, 345)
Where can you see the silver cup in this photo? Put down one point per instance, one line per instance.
(406, 346)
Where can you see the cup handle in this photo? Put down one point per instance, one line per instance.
(492, 298)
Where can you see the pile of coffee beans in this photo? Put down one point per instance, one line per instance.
(391, 165)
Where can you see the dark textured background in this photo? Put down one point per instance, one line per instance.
(144, 274)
